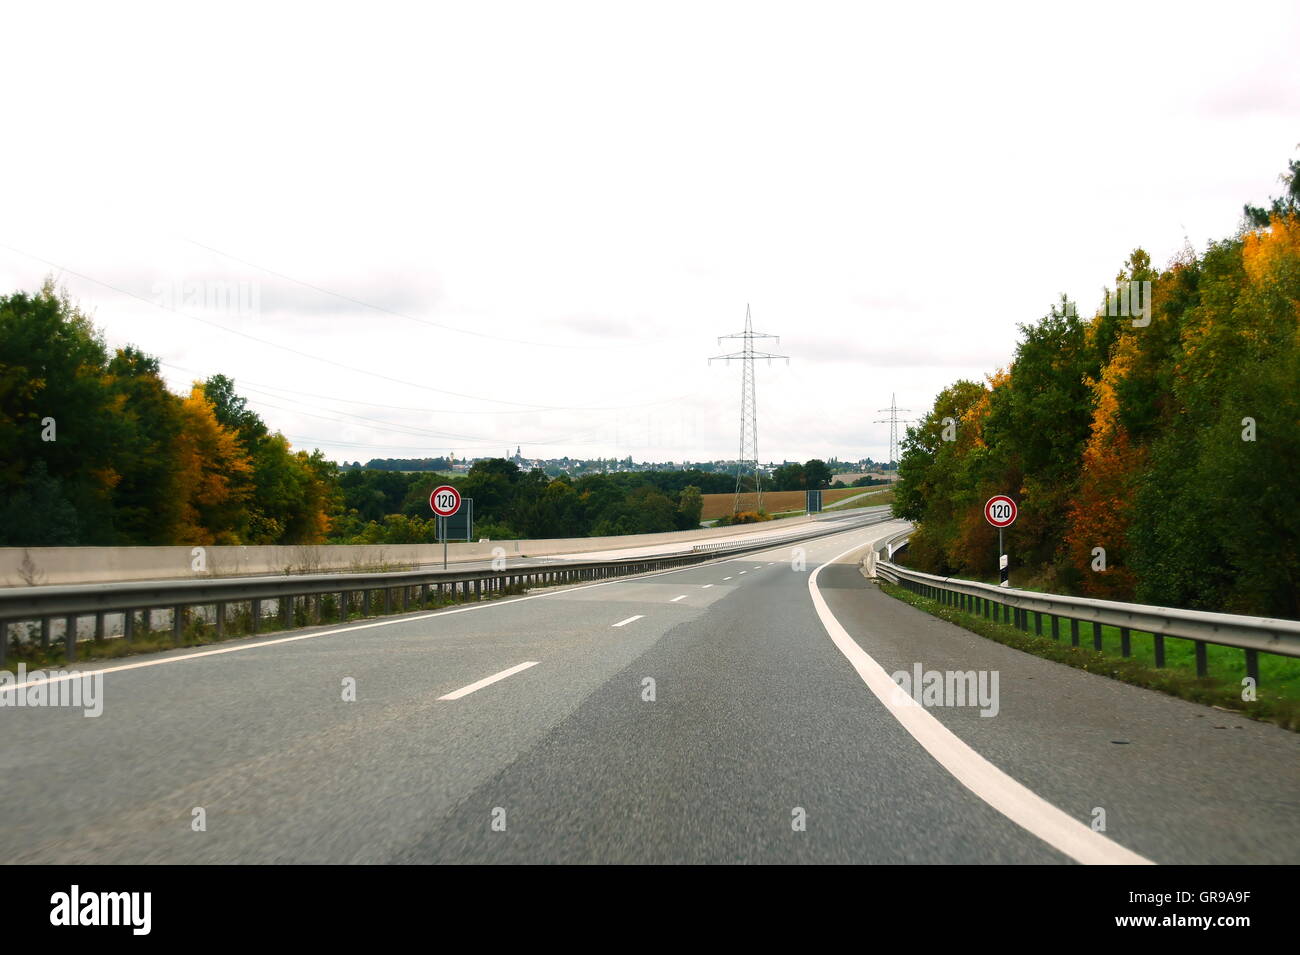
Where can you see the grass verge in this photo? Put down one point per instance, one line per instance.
(1278, 694)
(873, 499)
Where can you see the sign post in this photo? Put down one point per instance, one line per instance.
(445, 501)
(1001, 511)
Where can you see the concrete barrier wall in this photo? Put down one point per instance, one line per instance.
(26, 566)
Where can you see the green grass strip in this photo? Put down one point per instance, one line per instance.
(1278, 695)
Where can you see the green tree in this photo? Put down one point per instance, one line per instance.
(146, 498)
(690, 508)
(789, 477)
(816, 475)
(52, 363)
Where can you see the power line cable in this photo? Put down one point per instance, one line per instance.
(397, 314)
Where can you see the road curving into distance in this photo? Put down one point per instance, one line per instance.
(716, 713)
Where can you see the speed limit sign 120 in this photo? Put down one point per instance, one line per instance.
(1000, 511)
(445, 500)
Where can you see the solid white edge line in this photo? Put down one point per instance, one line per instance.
(675, 599)
(487, 681)
(706, 586)
(624, 623)
(386, 622)
(1014, 800)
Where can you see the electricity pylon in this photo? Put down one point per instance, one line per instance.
(748, 406)
(893, 421)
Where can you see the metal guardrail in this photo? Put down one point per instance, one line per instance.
(892, 545)
(308, 592)
(1254, 635)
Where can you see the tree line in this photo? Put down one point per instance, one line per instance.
(1153, 448)
(509, 502)
(98, 451)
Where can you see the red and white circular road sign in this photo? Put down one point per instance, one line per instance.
(445, 500)
(1000, 511)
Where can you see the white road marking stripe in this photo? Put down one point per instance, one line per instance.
(1014, 800)
(624, 623)
(726, 578)
(706, 586)
(487, 681)
(675, 599)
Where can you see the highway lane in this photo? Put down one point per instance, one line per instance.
(261, 740)
(756, 715)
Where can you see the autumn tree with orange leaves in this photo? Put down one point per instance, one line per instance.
(1157, 462)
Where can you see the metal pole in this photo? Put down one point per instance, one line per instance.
(442, 530)
(1001, 575)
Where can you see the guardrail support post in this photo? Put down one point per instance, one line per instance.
(70, 637)
(1056, 627)
(128, 625)
(1252, 666)
(1074, 633)
(1159, 641)
(220, 615)
(1125, 642)
(99, 626)
(45, 634)
(1202, 665)
(1038, 623)
(4, 640)
(178, 621)
(1096, 635)
(286, 612)
(255, 616)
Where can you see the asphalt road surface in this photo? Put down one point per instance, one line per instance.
(525, 730)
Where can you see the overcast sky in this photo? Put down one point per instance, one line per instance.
(467, 227)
